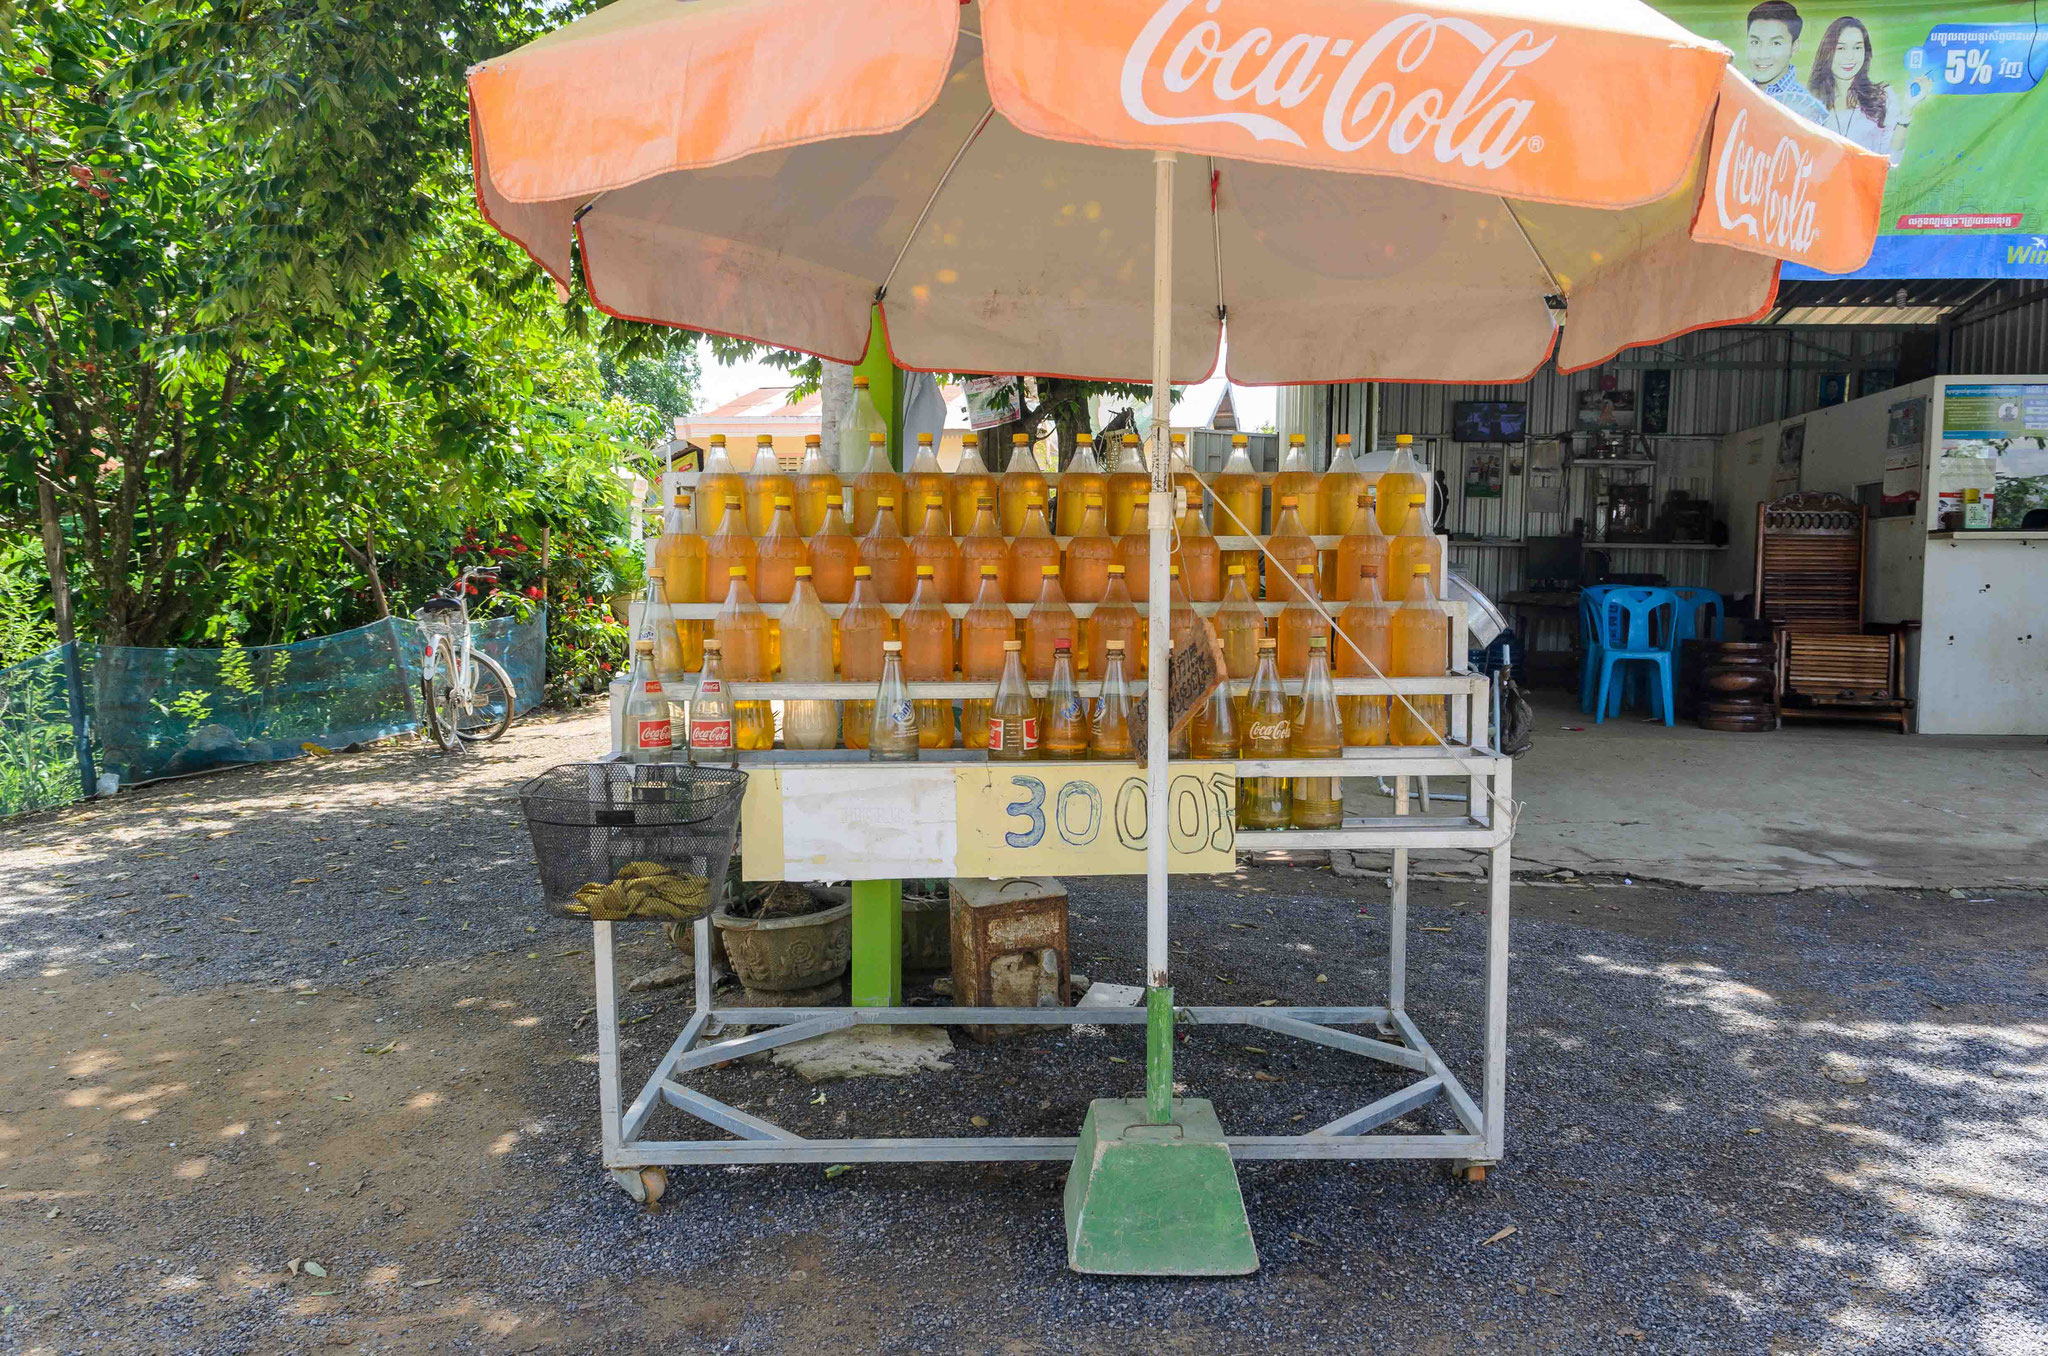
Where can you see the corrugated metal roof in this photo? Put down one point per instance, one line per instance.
(1873, 301)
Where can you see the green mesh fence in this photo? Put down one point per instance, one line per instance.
(142, 714)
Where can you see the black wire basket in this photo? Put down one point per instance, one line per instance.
(618, 841)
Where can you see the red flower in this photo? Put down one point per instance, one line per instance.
(533, 592)
(500, 552)
(606, 667)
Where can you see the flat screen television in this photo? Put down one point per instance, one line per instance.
(1489, 421)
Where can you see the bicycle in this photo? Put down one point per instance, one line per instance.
(465, 694)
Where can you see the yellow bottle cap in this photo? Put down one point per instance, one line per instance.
(1094, 498)
(924, 440)
(764, 440)
(1116, 569)
(1019, 439)
(1343, 440)
(803, 572)
(1130, 440)
(1404, 440)
(1235, 569)
(732, 499)
(736, 572)
(1296, 439)
(1239, 440)
(860, 383)
(1049, 571)
(970, 440)
(812, 440)
(877, 439)
(1304, 568)
(783, 501)
(862, 572)
(988, 572)
(924, 572)
(718, 440)
(885, 501)
(1288, 501)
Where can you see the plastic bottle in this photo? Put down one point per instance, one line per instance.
(1034, 550)
(711, 714)
(1201, 562)
(927, 631)
(862, 629)
(1298, 480)
(718, 480)
(1363, 624)
(1134, 553)
(1013, 715)
(1238, 501)
(778, 554)
(1051, 622)
(971, 483)
(660, 625)
(925, 484)
(650, 723)
(1109, 720)
(1128, 484)
(857, 430)
(1318, 733)
(892, 733)
(983, 544)
(726, 550)
(807, 658)
(1290, 546)
(1342, 485)
(887, 555)
(1419, 647)
(765, 484)
(743, 636)
(1114, 621)
(1402, 479)
(1415, 544)
(1089, 553)
(678, 525)
(683, 567)
(983, 632)
(816, 486)
(1063, 718)
(1240, 626)
(1022, 483)
(932, 545)
(1363, 550)
(834, 552)
(1079, 482)
(875, 480)
(1267, 732)
(1300, 624)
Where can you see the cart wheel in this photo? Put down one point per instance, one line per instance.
(645, 1185)
(1472, 1173)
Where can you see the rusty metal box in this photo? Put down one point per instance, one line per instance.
(1009, 946)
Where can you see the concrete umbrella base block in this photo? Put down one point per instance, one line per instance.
(1156, 1200)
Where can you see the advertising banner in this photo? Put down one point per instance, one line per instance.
(1994, 454)
(1950, 92)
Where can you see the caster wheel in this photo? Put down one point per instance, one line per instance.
(1472, 1173)
(645, 1185)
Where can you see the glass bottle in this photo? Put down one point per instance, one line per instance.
(834, 552)
(1088, 555)
(887, 555)
(927, 631)
(1080, 482)
(1240, 626)
(816, 486)
(1128, 484)
(779, 553)
(726, 550)
(986, 628)
(1298, 480)
(1402, 479)
(660, 624)
(1415, 544)
(857, 430)
(1238, 502)
(1063, 718)
(971, 483)
(862, 629)
(983, 542)
(718, 481)
(1267, 732)
(1033, 552)
(807, 658)
(1362, 550)
(1114, 621)
(765, 484)
(711, 714)
(1300, 624)
(1363, 651)
(1109, 721)
(1213, 731)
(650, 722)
(1343, 483)
(1419, 639)
(932, 545)
(1022, 483)
(1051, 622)
(1317, 733)
(1180, 615)
(1201, 563)
(924, 484)
(1013, 716)
(1290, 546)
(876, 480)
(743, 636)
(1134, 552)
(892, 733)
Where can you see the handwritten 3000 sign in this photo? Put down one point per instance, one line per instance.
(1092, 821)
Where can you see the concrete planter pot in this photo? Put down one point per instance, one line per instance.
(927, 934)
(788, 953)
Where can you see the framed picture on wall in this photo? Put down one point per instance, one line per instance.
(1871, 380)
(1791, 457)
(1834, 389)
(1655, 399)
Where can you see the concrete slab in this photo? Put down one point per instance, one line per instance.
(859, 1051)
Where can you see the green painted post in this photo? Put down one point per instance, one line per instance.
(1159, 1054)
(877, 943)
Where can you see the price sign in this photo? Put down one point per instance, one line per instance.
(1040, 819)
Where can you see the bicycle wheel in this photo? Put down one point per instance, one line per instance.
(489, 709)
(438, 709)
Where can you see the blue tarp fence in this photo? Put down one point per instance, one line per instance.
(79, 710)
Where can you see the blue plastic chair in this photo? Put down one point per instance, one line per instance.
(1636, 625)
(1589, 639)
(1691, 603)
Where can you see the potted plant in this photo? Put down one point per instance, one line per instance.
(785, 936)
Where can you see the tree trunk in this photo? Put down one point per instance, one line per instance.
(546, 558)
(53, 561)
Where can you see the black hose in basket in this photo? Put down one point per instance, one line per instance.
(633, 840)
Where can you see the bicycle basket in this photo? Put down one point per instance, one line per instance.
(450, 622)
(616, 841)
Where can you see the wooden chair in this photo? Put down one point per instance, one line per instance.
(1809, 587)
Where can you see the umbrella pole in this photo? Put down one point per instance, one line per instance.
(1158, 650)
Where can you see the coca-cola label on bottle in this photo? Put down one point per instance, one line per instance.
(1268, 731)
(656, 734)
(995, 732)
(711, 734)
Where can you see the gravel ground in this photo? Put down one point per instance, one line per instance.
(1785, 1123)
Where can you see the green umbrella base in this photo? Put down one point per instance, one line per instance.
(1145, 1199)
